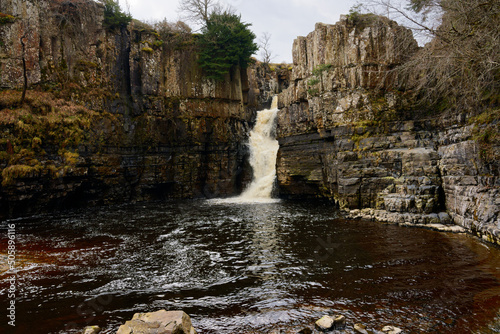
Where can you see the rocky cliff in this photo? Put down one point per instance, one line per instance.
(112, 115)
(348, 133)
(125, 114)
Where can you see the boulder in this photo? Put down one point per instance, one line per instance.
(91, 330)
(325, 323)
(391, 330)
(159, 322)
(360, 329)
(339, 322)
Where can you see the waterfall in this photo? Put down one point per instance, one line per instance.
(263, 151)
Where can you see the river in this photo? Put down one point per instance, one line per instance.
(245, 268)
(249, 264)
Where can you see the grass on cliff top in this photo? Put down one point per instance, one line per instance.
(42, 136)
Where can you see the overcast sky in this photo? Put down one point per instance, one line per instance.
(283, 19)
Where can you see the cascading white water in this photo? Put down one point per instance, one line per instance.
(263, 151)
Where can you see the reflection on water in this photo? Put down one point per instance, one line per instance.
(247, 268)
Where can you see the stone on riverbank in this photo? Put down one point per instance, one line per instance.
(339, 322)
(391, 330)
(159, 322)
(91, 330)
(360, 329)
(325, 323)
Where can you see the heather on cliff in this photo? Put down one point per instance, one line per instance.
(114, 17)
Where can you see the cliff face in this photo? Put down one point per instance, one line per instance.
(157, 128)
(346, 133)
(125, 114)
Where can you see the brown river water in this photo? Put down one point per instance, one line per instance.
(244, 268)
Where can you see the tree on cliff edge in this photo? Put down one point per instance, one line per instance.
(114, 17)
(225, 42)
(199, 11)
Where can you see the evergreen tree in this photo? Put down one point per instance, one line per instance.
(114, 17)
(225, 42)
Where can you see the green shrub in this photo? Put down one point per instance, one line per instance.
(316, 78)
(158, 43)
(313, 81)
(360, 20)
(318, 70)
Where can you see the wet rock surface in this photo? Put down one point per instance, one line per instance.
(363, 148)
(91, 330)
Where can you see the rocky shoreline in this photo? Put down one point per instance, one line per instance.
(178, 322)
(348, 134)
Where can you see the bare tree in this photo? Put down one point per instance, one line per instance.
(265, 48)
(198, 11)
(423, 23)
(459, 67)
(127, 6)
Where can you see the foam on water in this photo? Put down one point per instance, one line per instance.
(263, 151)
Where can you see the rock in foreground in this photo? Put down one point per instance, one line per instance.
(91, 330)
(159, 322)
(360, 329)
(325, 323)
(391, 330)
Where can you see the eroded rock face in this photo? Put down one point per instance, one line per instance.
(357, 53)
(344, 139)
(174, 134)
(472, 193)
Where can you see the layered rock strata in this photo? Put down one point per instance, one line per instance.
(171, 133)
(346, 133)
